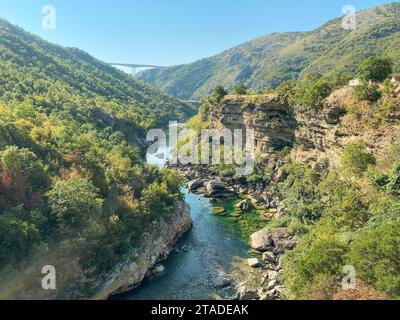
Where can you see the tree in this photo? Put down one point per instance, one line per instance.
(17, 237)
(375, 68)
(313, 264)
(219, 93)
(240, 89)
(311, 91)
(286, 91)
(74, 203)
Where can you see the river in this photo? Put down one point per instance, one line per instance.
(205, 255)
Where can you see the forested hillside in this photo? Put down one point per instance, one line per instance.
(270, 60)
(72, 175)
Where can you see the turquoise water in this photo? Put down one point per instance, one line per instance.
(199, 259)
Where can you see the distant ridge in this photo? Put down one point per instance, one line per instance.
(269, 60)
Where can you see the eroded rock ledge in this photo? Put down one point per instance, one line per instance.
(156, 247)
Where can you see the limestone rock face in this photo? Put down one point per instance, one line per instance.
(156, 248)
(314, 137)
(273, 123)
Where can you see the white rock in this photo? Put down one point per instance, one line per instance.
(271, 284)
(253, 262)
(272, 275)
(158, 270)
(261, 240)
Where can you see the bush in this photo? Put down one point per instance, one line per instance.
(286, 91)
(310, 262)
(218, 94)
(240, 89)
(311, 91)
(342, 203)
(367, 92)
(300, 191)
(316, 94)
(393, 185)
(376, 257)
(356, 159)
(17, 238)
(375, 68)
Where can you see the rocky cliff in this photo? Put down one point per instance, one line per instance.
(313, 137)
(156, 247)
(273, 123)
(75, 282)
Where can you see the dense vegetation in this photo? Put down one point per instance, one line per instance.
(270, 60)
(349, 215)
(72, 172)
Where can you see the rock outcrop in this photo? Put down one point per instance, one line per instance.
(314, 137)
(156, 248)
(73, 280)
(273, 122)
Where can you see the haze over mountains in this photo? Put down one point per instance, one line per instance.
(270, 60)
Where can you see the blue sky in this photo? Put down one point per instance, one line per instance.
(168, 32)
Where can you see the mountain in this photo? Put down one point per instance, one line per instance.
(30, 66)
(272, 59)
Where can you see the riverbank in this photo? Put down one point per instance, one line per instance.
(156, 245)
(248, 209)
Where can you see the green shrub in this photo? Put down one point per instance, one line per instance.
(393, 185)
(375, 68)
(301, 196)
(311, 91)
(356, 158)
(218, 94)
(240, 89)
(367, 92)
(311, 259)
(376, 257)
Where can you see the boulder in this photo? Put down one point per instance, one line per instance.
(195, 184)
(282, 239)
(269, 295)
(272, 275)
(267, 239)
(269, 257)
(158, 270)
(280, 290)
(246, 294)
(253, 262)
(216, 189)
(261, 240)
(271, 284)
